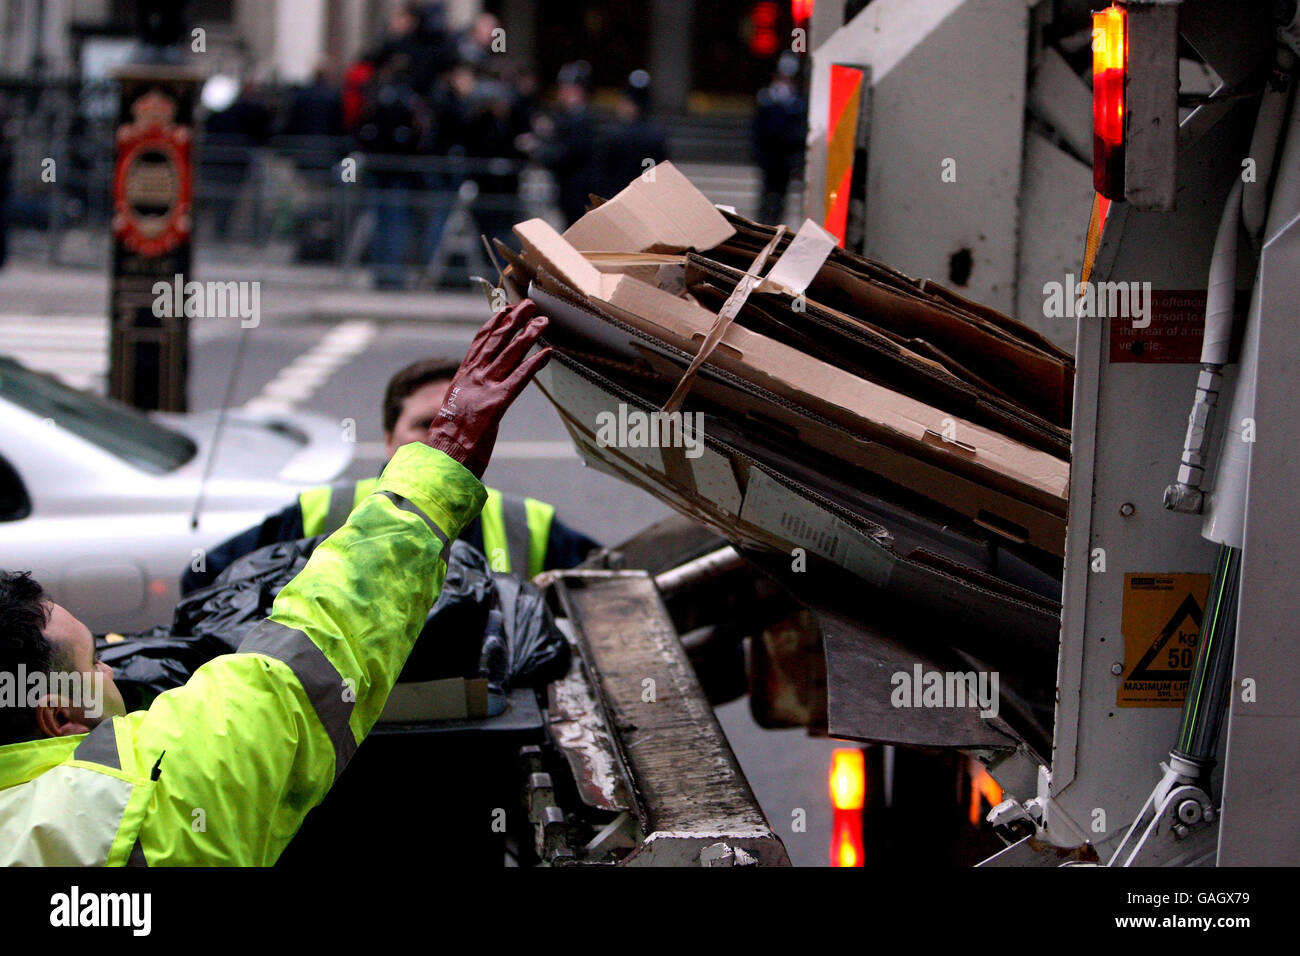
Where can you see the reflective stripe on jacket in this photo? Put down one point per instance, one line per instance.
(223, 770)
(516, 531)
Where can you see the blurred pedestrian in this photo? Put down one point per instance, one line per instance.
(356, 81)
(315, 109)
(231, 137)
(314, 120)
(394, 126)
(780, 128)
(478, 45)
(565, 142)
(418, 34)
(633, 143)
(527, 90)
(476, 120)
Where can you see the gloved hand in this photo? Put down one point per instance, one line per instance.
(491, 376)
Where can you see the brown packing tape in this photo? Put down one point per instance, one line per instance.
(730, 309)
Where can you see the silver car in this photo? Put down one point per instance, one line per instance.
(102, 503)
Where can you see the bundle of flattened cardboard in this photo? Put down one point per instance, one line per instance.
(792, 395)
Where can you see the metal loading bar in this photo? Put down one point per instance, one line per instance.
(689, 795)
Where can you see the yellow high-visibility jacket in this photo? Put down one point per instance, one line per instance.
(516, 531)
(223, 770)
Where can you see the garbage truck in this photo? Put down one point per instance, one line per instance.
(984, 468)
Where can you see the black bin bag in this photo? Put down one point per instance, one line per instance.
(488, 624)
(484, 624)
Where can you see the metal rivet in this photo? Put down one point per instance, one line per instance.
(1117, 669)
(1127, 509)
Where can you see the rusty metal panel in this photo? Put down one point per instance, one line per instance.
(583, 738)
(689, 794)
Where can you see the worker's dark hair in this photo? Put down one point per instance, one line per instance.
(410, 379)
(24, 612)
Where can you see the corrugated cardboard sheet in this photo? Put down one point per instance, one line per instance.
(880, 422)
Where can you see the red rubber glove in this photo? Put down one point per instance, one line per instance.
(491, 376)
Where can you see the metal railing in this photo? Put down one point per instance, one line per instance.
(292, 200)
(344, 215)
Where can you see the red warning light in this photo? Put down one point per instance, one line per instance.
(764, 40)
(1109, 71)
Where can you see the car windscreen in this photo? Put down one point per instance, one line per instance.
(114, 427)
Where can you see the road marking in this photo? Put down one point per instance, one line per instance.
(73, 348)
(300, 379)
(512, 450)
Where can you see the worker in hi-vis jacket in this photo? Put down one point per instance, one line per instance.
(255, 739)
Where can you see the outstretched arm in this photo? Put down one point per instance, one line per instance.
(255, 739)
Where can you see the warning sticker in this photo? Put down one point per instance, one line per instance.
(1171, 332)
(1161, 623)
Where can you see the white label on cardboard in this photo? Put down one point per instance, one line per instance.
(770, 505)
(803, 258)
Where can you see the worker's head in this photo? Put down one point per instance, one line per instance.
(57, 686)
(413, 398)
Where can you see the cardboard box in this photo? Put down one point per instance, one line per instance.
(867, 409)
(664, 213)
(932, 319)
(647, 366)
(908, 366)
(450, 698)
(757, 509)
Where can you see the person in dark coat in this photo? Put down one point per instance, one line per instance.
(316, 109)
(231, 136)
(565, 142)
(476, 119)
(780, 126)
(315, 119)
(633, 144)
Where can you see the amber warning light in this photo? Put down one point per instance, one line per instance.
(1109, 71)
(848, 786)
